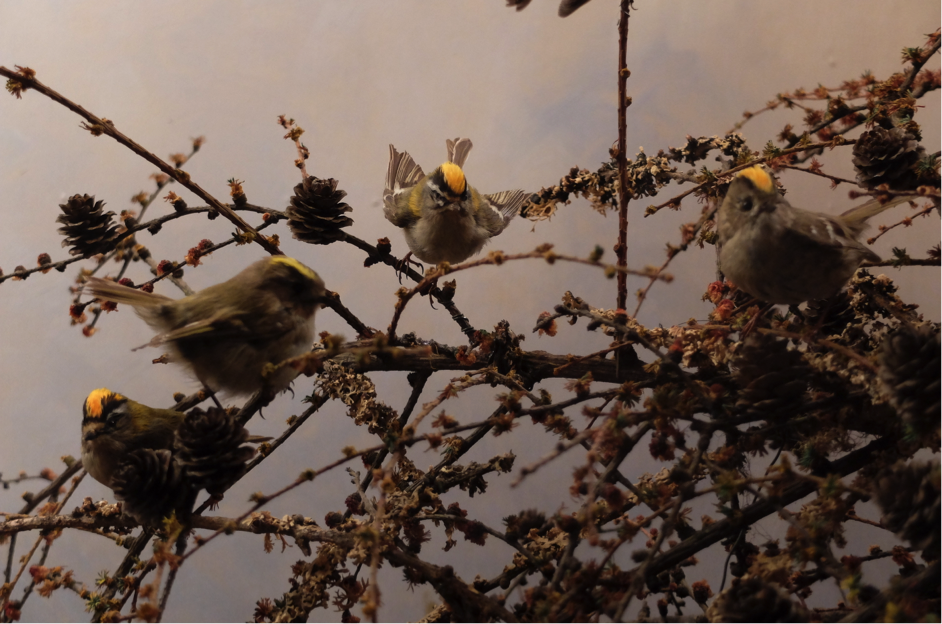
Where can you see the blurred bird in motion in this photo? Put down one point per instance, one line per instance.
(228, 333)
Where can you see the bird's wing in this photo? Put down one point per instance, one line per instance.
(820, 230)
(458, 150)
(112, 291)
(401, 176)
(213, 328)
(504, 206)
(857, 216)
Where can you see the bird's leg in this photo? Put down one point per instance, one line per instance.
(212, 395)
(751, 325)
(404, 265)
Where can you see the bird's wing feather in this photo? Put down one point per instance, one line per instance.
(507, 203)
(403, 174)
(857, 216)
(503, 207)
(822, 230)
(118, 293)
(213, 328)
(458, 150)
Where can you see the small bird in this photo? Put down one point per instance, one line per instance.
(113, 426)
(779, 253)
(227, 333)
(444, 218)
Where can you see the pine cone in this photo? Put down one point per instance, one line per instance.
(316, 213)
(888, 157)
(87, 230)
(910, 372)
(209, 447)
(151, 485)
(753, 600)
(908, 494)
(773, 377)
(834, 314)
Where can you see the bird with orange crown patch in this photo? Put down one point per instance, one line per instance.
(443, 217)
(780, 253)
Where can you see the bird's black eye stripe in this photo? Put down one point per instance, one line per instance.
(116, 412)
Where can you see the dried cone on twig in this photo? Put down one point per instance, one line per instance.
(773, 377)
(317, 213)
(209, 447)
(151, 485)
(87, 230)
(910, 372)
(832, 315)
(888, 157)
(908, 494)
(753, 600)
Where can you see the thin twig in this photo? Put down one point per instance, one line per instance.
(621, 247)
(102, 126)
(497, 258)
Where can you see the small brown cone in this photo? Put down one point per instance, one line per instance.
(209, 446)
(151, 485)
(317, 213)
(773, 378)
(888, 157)
(908, 494)
(910, 372)
(753, 600)
(87, 230)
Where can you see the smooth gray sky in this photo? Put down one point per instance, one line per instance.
(535, 93)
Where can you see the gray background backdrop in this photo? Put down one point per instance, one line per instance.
(537, 96)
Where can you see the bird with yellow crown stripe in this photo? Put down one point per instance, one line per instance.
(228, 333)
(444, 218)
(114, 426)
(781, 253)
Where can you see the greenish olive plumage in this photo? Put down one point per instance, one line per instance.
(783, 254)
(227, 333)
(113, 426)
(444, 218)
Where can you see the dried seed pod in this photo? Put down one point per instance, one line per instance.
(316, 214)
(888, 157)
(151, 485)
(910, 373)
(87, 230)
(773, 378)
(209, 446)
(753, 600)
(908, 494)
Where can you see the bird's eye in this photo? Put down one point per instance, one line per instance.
(745, 204)
(115, 416)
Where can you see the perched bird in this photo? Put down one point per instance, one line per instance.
(113, 426)
(116, 430)
(444, 218)
(782, 254)
(227, 333)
